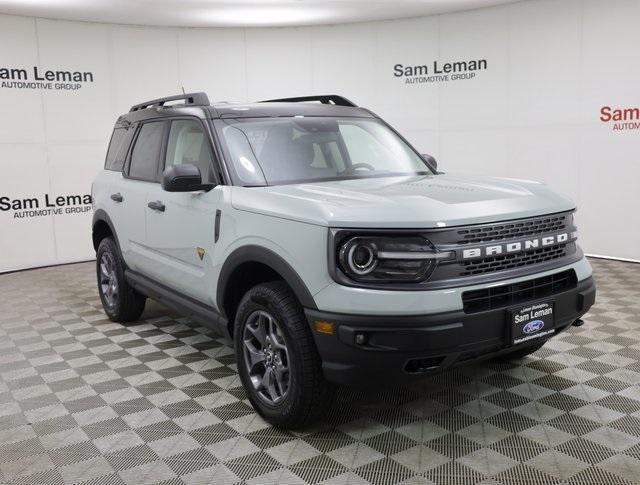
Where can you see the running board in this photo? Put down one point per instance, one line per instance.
(183, 304)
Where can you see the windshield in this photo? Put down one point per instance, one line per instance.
(274, 151)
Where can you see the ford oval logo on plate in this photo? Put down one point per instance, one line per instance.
(533, 326)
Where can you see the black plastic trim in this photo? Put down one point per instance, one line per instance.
(185, 305)
(322, 98)
(390, 343)
(101, 216)
(454, 281)
(190, 99)
(216, 231)
(259, 254)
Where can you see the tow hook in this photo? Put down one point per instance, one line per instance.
(578, 323)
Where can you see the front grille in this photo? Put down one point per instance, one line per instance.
(506, 295)
(511, 230)
(509, 261)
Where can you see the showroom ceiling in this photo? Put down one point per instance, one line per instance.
(236, 13)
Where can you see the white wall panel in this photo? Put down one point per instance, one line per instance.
(407, 107)
(144, 64)
(474, 152)
(609, 199)
(19, 49)
(544, 62)
(25, 175)
(279, 63)
(84, 114)
(548, 155)
(533, 113)
(214, 61)
(610, 54)
(481, 102)
(334, 72)
(71, 165)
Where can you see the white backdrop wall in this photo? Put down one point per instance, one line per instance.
(533, 113)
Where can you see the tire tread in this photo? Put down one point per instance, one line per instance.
(132, 303)
(315, 394)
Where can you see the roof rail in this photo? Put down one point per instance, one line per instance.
(190, 99)
(323, 98)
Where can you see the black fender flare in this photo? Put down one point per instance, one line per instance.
(259, 254)
(101, 216)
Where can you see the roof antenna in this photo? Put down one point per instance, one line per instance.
(183, 92)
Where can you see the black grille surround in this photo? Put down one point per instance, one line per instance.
(513, 229)
(509, 261)
(494, 267)
(484, 266)
(503, 296)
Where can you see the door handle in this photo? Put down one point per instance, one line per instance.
(117, 197)
(156, 206)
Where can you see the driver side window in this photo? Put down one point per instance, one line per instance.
(188, 143)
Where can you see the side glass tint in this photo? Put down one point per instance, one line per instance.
(188, 143)
(146, 151)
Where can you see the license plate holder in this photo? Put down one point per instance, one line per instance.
(531, 321)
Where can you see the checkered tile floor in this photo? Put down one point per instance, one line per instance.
(159, 401)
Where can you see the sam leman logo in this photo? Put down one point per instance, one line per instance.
(437, 71)
(47, 79)
(627, 118)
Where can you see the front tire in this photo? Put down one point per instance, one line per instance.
(120, 301)
(277, 358)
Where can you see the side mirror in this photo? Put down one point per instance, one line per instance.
(183, 178)
(430, 160)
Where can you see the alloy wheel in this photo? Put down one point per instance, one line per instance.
(266, 357)
(108, 279)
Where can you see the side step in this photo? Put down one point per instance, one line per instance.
(185, 305)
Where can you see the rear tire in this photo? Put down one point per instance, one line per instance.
(278, 362)
(522, 353)
(120, 301)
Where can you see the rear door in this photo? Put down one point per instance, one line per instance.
(181, 230)
(129, 193)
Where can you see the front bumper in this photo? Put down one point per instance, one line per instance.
(399, 348)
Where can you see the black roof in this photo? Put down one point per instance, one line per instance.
(198, 104)
(274, 109)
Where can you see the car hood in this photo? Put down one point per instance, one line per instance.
(403, 202)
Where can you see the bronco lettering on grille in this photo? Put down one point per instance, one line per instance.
(515, 247)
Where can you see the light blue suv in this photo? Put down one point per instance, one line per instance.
(330, 251)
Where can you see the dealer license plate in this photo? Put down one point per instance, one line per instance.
(532, 322)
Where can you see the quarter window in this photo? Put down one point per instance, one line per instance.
(146, 152)
(118, 146)
(188, 143)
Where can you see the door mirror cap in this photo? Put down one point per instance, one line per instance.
(433, 163)
(184, 178)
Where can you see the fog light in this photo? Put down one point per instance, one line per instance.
(323, 326)
(360, 338)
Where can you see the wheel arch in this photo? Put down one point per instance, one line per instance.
(101, 227)
(253, 257)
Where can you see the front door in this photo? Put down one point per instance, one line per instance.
(181, 227)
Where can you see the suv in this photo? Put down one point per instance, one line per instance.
(317, 238)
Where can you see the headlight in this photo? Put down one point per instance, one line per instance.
(388, 258)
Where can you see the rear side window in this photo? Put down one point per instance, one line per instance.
(146, 152)
(117, 152)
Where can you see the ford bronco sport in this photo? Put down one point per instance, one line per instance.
(330, 251)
